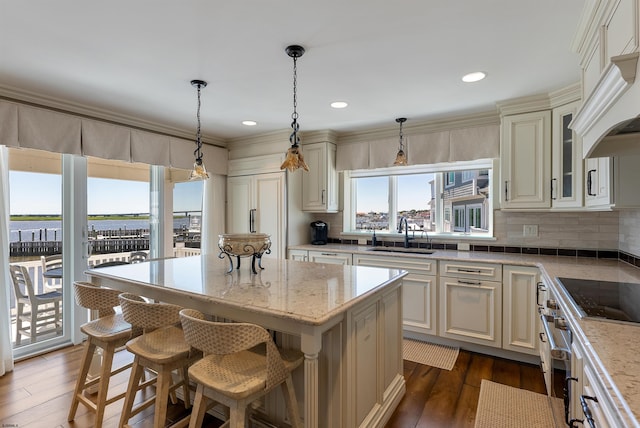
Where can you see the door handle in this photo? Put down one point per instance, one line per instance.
(252, 220)
(506, 190)
(590, 183)
(552, 187)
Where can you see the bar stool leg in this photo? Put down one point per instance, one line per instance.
(136, 373)
(199, 408)
(89, 349)
(103, 385)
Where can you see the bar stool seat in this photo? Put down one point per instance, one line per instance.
(109, 332)
(162, 349)
(241, 364)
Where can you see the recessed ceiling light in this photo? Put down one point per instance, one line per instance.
(249, 122)
(474, 77)
(339, 104)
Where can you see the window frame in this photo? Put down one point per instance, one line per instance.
(349, 212)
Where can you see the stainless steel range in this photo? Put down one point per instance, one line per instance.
(603, 300)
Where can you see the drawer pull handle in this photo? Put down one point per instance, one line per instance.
(540, 287)
(461, 281)
(329, 254)
(466, 270)
(566, 397)
(541, 334)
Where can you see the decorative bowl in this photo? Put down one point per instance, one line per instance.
(244, 244)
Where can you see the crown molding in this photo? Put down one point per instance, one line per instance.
(64, 106)
(424, 127)
(565, 95)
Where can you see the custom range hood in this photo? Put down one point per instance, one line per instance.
(609, 119)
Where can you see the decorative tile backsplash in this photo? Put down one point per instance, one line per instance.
(610, 234)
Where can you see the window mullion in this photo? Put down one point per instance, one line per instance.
(393, 203)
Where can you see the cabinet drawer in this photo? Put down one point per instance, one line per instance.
(330, 257)
(411, 265)
(482, 271)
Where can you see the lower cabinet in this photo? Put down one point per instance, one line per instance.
(519, 309)
(330, 257)
(589, 398)
(298, 255)
(471, 311)
(419, 289)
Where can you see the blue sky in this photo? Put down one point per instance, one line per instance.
(35, 193)
(414, 193)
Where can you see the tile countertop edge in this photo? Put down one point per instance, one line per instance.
(597, 337)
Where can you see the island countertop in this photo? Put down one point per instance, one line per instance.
(309, 293)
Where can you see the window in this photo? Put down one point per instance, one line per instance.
(436, 199)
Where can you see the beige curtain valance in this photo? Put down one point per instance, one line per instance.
(9, 124)
(481, 142)
(43, 129)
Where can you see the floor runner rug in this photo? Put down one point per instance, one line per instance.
(430, 354)
(503, 406)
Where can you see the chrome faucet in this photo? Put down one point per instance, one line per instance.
(406, 231)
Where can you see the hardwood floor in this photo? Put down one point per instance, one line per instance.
(38, 392)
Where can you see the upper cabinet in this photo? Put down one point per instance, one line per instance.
(566, 159)
(320, 183)
(525, 160)
(541, 163)
(612, 182)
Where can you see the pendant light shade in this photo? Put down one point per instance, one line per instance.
(401, 157)
(294, 159)
(199, 172)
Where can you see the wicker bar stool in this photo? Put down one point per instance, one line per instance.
(163, 349)
(241, 364)
(109, 332)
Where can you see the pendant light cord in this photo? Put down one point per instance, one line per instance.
(294, 139)
(198, 153)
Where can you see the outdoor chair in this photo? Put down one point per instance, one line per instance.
(162, 349)
(138, 257)
(50, 263)
(36, 314)
(241, 364)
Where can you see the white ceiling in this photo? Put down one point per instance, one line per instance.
(385, 58)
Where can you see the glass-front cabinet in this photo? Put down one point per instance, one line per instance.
(566, 158)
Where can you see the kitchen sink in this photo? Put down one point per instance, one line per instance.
(401, 250)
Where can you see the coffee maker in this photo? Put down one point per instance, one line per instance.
(319, 232)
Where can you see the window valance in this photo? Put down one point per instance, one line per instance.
(480, 142)
(43, 129)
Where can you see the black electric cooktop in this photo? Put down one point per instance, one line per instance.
(618, 301)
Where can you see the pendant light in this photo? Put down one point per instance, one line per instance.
(401, 157)
(199, 172)
(294, 159)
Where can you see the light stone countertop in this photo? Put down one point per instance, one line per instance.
(307, 293)
(612, 348)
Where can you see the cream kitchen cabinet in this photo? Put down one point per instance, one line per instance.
(589, 398)
(519, 309)
(566, 157)
(298, 255)
(525, 160)
(612, 182)
(419, 295)
(257, 203)
(330, 257)
(320, 183)
(470, 307)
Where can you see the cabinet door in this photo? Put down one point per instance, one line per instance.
(298, 255)
(320, 183)
(597, 182)
(566, 157)
(270, 208)
(239, 203)
(471, 310)
(419, 303)
(525, 160)
(519, 309)
(329, 257)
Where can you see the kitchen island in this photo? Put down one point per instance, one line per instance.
(347, 321)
